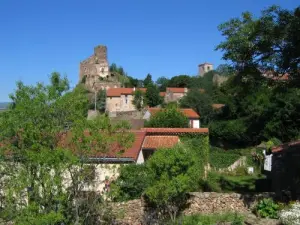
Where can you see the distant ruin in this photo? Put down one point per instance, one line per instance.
(94, 71)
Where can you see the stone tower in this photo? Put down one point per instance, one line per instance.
(96, 65)
(95, 69)
(204, 68)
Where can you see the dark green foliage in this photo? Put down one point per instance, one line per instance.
(176, 172)
(101, 101)
(180, 81)
(132, 182)
(138, 100)
(220, 158)
(83, 80)
(267, 208)
(162, 83)
(210, 219)
(169, 117)
(148, 80)
(152, 96)
(200, 102)
(225, 70)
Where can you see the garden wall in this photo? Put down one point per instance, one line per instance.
(133, 212)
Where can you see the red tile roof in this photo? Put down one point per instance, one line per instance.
(189, 113)
(161, 131)
(117, 92)
(218, 106)
(115, 150)
(162, 94)
(287, 146)
(155, 142)
(176, 90)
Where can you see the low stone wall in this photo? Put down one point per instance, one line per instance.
(133, 212)
(130, 212)
(211, 202)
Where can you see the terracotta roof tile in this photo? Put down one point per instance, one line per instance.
(162, 94)
(218, 106)
(117, 92)
(189, 113)
(155, 142)
(177, 90)
(161, 131)
(287, 146)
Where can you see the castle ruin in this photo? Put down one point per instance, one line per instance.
(94, 71)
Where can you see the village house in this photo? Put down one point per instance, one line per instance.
(194, 118)
(120, 99)
(106, 166)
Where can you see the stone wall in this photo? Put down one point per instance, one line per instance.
(211, 202)
(133, 212)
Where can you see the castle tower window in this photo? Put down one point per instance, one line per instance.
(208, 68)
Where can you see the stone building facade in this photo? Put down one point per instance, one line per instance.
(95, 71)
(204, 68)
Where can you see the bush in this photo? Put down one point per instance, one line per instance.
(211, 219)
(267, 208)
(131, 183)
(290, 216)
(221, 158)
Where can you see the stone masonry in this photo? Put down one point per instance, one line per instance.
(95, 69)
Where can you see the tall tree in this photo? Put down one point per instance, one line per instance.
(152, 96)
(162, 83)
(169, 117)
(200, 102)
(148, 80)
(138, 100)
(180, 81)
(269, 42)
(35, 158)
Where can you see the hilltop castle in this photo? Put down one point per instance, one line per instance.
(94, 71)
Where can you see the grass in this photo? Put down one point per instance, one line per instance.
(209, 219)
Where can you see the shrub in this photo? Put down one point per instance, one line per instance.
(267, 208)
(222, 159)
(131, 183)
(210, 219)
(290, 216)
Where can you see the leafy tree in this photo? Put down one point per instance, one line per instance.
(101, 101)
(200, 102)
(225, 70)
(176, 172)
(36, 158)
(148, 80)
(180, 81)
(138, 100)
(269, 42)
(132, 182)
(162, 83)
(169, 117)
(152, 96)
(113, 67)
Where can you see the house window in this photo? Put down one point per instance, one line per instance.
(126, 99)
(208, 68)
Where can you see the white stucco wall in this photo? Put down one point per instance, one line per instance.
(140, 159)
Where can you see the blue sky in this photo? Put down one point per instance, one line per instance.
(161, 37)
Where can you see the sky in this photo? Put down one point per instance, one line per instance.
(160, 37)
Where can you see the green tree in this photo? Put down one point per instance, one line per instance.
(152, 96)
(138, 100)
(132, 182)
(101, 101)
(225, 70)
(35, 156)
(200, 102)
(176, 172)
(268, 42)
(169, 117)
(162, 83)
(148, 80)
(180, 81)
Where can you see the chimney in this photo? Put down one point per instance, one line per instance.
(133, 88)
